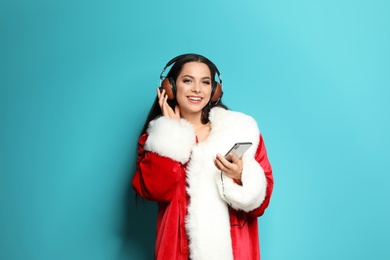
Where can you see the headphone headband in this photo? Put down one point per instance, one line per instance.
(172, 61)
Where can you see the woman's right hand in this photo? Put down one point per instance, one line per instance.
(165, 108)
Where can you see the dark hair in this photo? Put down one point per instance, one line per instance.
(174, 72)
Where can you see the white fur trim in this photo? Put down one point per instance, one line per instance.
(207, 222)
(252, 192)
(171, 138)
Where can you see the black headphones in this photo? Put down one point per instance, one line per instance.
(170, 86)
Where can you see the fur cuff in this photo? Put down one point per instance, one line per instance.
(171, 138)
(251, 194)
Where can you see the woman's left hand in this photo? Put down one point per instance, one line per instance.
(231, 169)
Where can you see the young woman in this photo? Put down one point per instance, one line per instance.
(207, 206)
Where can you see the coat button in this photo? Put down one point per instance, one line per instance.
(182, 200)
(184, 250)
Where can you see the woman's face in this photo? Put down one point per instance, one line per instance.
(193, 87)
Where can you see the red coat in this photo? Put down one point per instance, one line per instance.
(199, 214)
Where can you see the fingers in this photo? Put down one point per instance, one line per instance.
(161, 95)
(165, 107)
(222, 163)
(231, 169)
(162, 100)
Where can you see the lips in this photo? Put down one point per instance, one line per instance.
(194, 98)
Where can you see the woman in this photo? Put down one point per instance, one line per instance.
(207, 206)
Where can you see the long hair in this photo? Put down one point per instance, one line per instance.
(173, 73)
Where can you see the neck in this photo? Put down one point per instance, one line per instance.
(201, 130)
(194, 119)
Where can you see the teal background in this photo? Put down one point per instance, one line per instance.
(78, 78)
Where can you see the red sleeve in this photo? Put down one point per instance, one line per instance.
(156, 176)
(262, 159)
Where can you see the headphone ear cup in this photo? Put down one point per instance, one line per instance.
(169, 88)
(217, 92)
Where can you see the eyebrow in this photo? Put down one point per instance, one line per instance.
(194, 77)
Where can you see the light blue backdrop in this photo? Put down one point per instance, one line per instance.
(78, 77)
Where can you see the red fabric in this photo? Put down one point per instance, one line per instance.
(162, 180)
(244, 229)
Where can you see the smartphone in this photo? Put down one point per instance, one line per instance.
(238, 149)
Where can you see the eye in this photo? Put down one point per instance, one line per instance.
(206, 82)
(187, 80)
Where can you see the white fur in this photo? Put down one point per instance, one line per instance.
(171, 138)
(252, 192)
(207, 221)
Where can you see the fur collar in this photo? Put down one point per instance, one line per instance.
(207, 223)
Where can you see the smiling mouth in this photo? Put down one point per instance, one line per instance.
(195, 98)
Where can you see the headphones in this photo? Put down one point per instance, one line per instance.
(170, 86)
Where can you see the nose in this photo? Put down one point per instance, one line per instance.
(196, 87)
